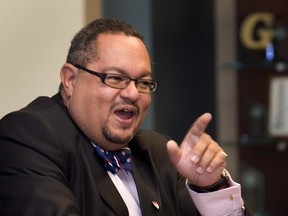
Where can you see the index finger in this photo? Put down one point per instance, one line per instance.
(198, 128)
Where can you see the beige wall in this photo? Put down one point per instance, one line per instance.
(34, 39)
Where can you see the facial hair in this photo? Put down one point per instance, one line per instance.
(108, 134)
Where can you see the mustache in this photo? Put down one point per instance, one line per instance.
(125, 102)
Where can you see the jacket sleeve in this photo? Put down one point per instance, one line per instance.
(32, 171)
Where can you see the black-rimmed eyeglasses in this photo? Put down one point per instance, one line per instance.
(121, 82)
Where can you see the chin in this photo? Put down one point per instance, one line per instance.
(119, 136)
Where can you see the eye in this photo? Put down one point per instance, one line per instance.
(145, 84)
(113, 78)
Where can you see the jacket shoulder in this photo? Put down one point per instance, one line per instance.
(39, 113)
(152, 142)
(41, 124)
(149, 139)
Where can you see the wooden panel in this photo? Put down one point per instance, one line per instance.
(93, 10)
(262, 156)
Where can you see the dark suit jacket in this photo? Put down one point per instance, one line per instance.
(48, 167)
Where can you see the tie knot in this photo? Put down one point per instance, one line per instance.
(113, 161)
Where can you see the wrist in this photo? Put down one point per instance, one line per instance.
(220, 184)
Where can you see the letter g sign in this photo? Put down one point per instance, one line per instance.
(249, 29)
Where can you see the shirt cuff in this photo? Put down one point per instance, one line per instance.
(227, 201)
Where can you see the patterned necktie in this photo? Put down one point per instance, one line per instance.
(113, 161)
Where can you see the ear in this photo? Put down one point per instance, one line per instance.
(68, 76)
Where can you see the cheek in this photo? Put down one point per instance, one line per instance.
(96, 95)
(89, 103)
(90, 112)
(144, 102)
(101, 103)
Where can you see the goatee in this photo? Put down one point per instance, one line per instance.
(110, 136)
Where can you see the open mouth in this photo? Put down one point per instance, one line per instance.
(125, 113)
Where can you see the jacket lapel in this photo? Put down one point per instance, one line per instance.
(104, 184)
(148, 192)
(110, 194)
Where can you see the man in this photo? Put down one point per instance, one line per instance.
(52, 158)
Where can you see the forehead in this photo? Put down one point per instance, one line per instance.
(108, 43)
(122, 51)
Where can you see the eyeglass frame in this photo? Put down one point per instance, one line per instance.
(103, 76)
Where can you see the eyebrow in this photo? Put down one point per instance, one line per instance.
(125, 73)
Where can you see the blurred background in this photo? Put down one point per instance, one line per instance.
(226, 57)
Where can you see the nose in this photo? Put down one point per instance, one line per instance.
(130, 91)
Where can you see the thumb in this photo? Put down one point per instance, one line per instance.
(174, 152)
